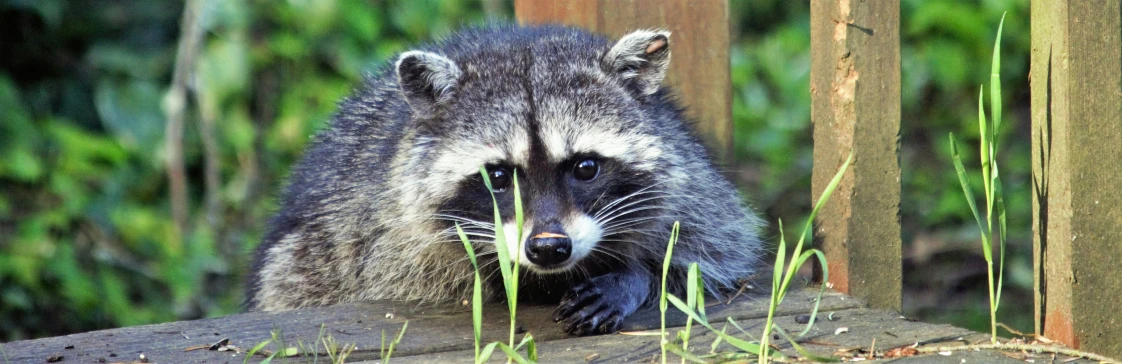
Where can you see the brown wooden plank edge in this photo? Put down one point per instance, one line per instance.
(431, 329)
(888, 328)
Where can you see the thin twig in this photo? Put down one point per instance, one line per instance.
(1020, 347)
(1014, 331)
(174, 105)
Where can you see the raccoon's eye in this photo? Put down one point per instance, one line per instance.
(500, 178)
(586, 169)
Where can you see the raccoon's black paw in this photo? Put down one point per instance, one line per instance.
(599, 305)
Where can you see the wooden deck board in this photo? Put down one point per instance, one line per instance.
(431, 330)
(887, 327)
(443, 334)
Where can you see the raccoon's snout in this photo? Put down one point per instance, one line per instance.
(548, 246)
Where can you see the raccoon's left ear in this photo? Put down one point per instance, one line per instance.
(426, 79)
(640, 59)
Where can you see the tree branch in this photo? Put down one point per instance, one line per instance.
(175, 103)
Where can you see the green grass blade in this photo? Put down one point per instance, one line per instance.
(685, 354)
(512, 354)
(255, 349)
(518, 220)
(502, 250)
(999, 199)
(476, 293)
(962, 179)
(508, 270)
(984, 151)
(732, 340)
(717, 341)
(518, 216)
(826, 193)
(393, 344)
(532, 348)
(780, 261)
(485, 354)
(995, 80)
(730, 321)
(700, 283)
(692, 275)
(1001, 227)
(512, 284)
(821, 290)
(799, 349)
(666, 261)
(662, 296)
(691, 284)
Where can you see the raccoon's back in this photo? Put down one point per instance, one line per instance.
(338, 182)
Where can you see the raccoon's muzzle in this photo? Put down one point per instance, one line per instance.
(549, 246)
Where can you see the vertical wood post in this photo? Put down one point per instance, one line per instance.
(855, 107)
(1076, 82)
(699, 41)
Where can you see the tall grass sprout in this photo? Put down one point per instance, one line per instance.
(991, 181)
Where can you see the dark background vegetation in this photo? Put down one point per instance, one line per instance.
(87, 237)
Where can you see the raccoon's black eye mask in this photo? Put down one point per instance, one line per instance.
(584, 169)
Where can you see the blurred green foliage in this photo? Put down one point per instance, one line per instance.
(87, 239)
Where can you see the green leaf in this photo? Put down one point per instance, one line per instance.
(995, 81)
(501, 247)
(531, 347)
(666, 262)
(397, 340)
(732, 340)
(780, 260)
(966, 190)
(255, 349)
(223, 70)
(485, 355)
(821, 290)
(476, 293)
(984, 150)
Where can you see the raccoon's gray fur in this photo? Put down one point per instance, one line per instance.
(604, 160)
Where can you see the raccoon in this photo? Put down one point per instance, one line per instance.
(604, 160)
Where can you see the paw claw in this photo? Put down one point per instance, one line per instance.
(588, 310)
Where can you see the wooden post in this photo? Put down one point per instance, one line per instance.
(1076, 82)
(855, 107)
(699, 42)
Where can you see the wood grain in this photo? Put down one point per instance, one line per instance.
(855, 108)
(1076, 82)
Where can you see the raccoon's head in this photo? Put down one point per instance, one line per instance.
(576, 118)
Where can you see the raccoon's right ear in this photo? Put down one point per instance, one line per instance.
(641, 59)
(427, 79)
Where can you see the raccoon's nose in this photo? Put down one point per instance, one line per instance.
(549, 247)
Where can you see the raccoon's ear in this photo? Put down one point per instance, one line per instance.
(640, 59)
(426, 79)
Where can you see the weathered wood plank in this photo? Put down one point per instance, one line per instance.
(1077, 150)
(855, 107)
(887, 327)
(699, 72)
(431, 329)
